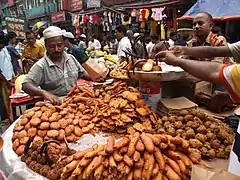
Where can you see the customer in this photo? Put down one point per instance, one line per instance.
(124, 42)
(73, 49)
(57, 72)
(94, 43)
(82, 42)
(172, 39)
(11, 36)
(32, 51)
(151, 44)
(6, 76)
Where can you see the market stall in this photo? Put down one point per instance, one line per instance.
(110, 132)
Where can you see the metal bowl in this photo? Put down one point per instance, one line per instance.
(156, 75)
(168, 73)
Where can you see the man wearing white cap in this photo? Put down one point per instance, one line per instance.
(73, 49)
(57, 72)
(82, 43)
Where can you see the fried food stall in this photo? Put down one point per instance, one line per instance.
(109, 132)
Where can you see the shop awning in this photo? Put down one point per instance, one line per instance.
(220, 9)
(149, 4)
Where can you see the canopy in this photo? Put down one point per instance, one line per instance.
(219, 9)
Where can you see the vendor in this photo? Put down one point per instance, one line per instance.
(228, 75)
(124, 42)
(57, 72)
(73, 49)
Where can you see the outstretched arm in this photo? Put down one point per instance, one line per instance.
(208, 71)
(203, 51)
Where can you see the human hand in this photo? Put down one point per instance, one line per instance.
(51, 97)
(177, 50)
(161, 46)
(168, 57)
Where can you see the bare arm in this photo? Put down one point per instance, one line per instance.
(33, 90)
(204, 51)
(208, 71)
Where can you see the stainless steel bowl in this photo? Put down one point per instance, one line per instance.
(157, 75)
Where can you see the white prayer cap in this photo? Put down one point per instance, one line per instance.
(68, 35)
(52, 31)
(136, 34)
(83, 36)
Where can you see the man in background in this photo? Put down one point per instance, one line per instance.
(94, 43)
(73, 49)
(172, 39)
(151, 44)
(11, 36)
(32, 51)
(124, 42)
(82, 42)
(202, 26)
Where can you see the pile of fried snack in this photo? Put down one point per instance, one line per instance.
(211, 136)
(149, 148)
(140, 156)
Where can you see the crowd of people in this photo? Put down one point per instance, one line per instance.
(52, 59)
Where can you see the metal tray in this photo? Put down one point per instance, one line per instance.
(168, 73)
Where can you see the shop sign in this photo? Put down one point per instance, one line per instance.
(10, 3)
(76, 5)
(16, 25)
(41, 10)
(64, 5)
(93, 3)
(58, 16)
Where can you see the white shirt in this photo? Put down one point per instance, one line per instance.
(6, 64)
(171, 42)
(123, 45)
(235, 49)
(150, 48)
(95, 44)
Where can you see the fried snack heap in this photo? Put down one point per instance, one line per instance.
(140, 156)
(211, 136)
(48, 158)
(112, 108)
(46, 122)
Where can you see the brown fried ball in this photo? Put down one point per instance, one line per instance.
(222, 134)
(171, 131)
(32, 164)
(45, 170)
(164, 118)
(34, 155)
(201, 137)
(195, 143)
(207, 124)
(41, 159)
(215, 143)
(28, 160)
(207, 145)
(202, 129)
(210, 136)
(24, 157)
(37, 167)
(183, 112)
(190, 134)
(211, 154)
(178, 124)
(188, 118)
(220, 153)
(167, 124)
(201, 115)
